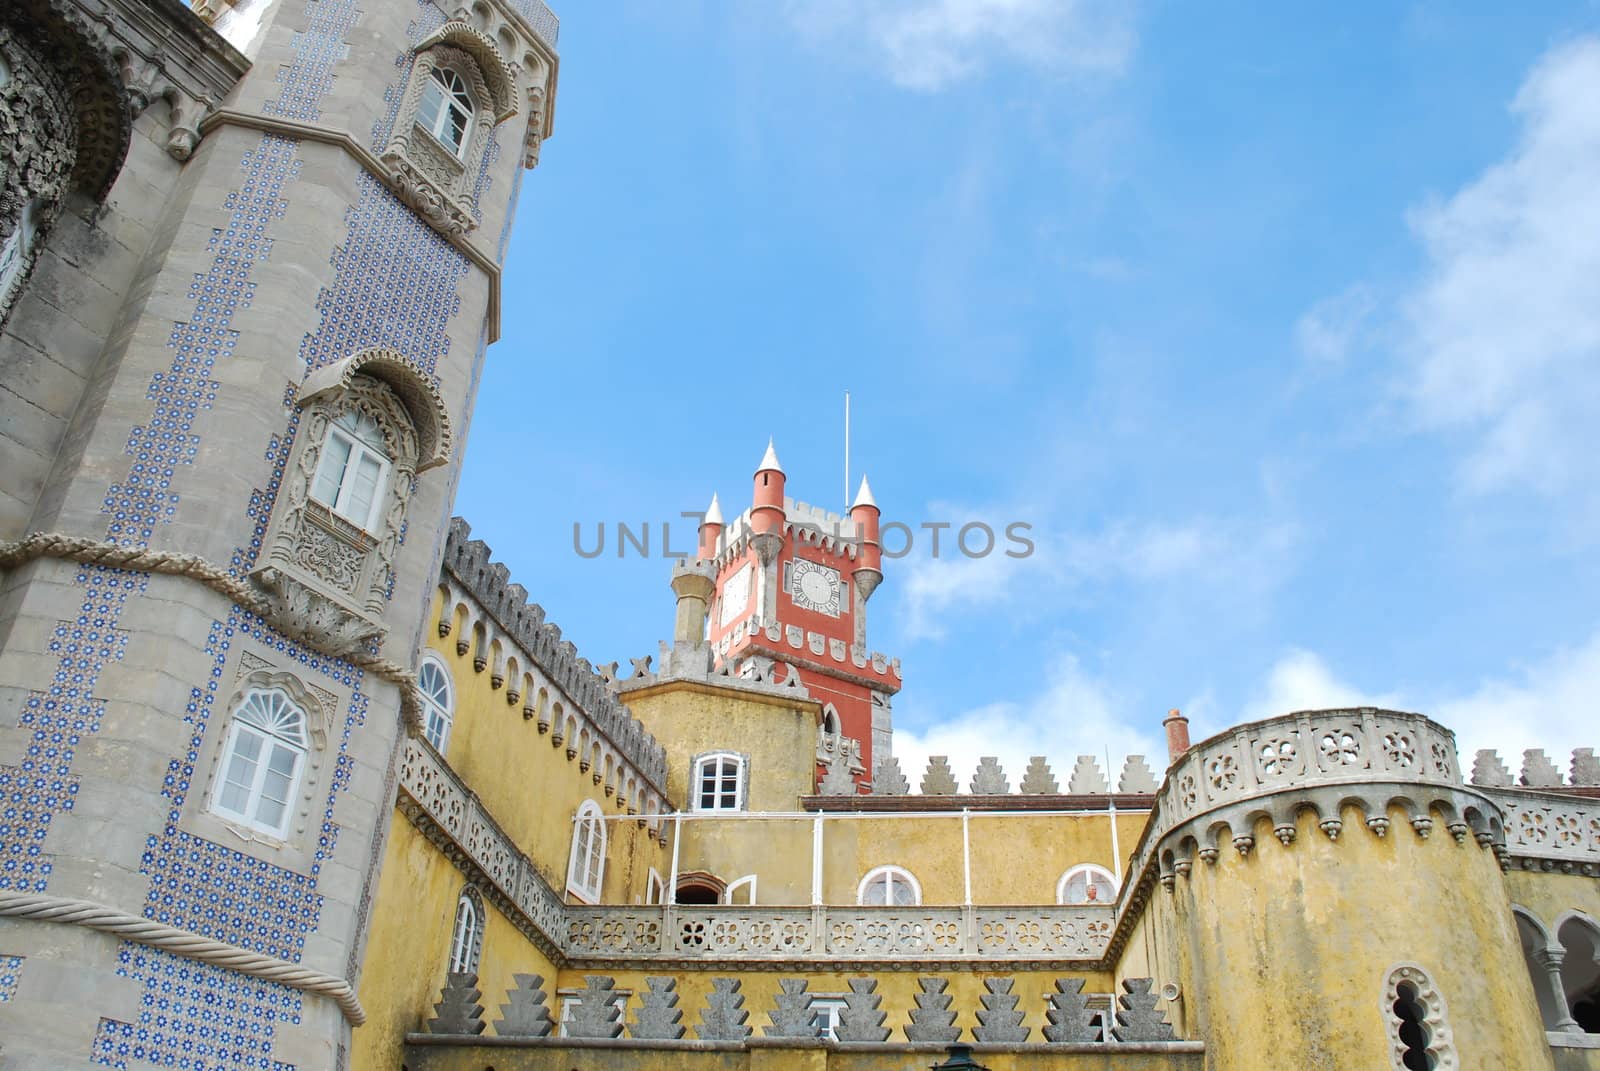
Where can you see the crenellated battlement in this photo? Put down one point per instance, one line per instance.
(522, 624)
(1538, 771)
(990, 779)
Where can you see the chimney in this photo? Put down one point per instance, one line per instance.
(1177, 727)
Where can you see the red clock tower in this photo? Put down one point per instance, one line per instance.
(792, 585)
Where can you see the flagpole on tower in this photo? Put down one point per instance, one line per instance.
(847, 451)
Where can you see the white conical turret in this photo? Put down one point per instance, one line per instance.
(769, 460)
(864, 496)
(713, 512)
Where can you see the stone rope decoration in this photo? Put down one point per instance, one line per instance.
(87, 551)
(41, 907)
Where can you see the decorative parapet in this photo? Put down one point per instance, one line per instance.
(1538, 771)
(774, 938)
(511, 638)
(1320, 760)
(989, 779)
(1550, 831)
(435, 800)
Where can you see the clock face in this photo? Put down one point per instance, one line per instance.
(814, 587)
(735, 596)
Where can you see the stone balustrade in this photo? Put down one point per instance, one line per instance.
(837, 935)
(1549, 831)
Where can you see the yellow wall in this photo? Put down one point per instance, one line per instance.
(1289, 948)
(1550, 896)
(1016, 858)
(530, 786)
(778, 735)
(408, 948)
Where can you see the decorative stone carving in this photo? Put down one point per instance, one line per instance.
(1039, 779)
(792, 1017)
(939, 781)
(932, 1019)
(458, 1010)
(659, 1017)
(836, 778)
(1000, 1021)
(1086, 777)
(1069, 1015)
(1137, 1017)
(323, 572)
(724, 1016)
(888, 779)
(426, 175)
(990, 779)
(1440, 1042)
(1538, 771)
(596, 1014)
(859, 1019)
(1585, 767)
(525, 1015)
(1136, 776)
(1488, 770)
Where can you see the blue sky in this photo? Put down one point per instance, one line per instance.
(1280, 326)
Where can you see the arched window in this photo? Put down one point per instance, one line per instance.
(889, 886)
(587, 866)
(1579, 936)
(466, 939)
(353, 470)
(830, 721)
(438, 704)
(719, 782)
(1419, 1037)
(446, 109)
(262, 761)
(1086, 884)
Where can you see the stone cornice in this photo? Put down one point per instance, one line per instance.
(291, 128)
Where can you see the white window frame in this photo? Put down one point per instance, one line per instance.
(746, 882)
(894, 876)
(697, 791)
(249, 816)
(655, 889)
(359, 449)
(448, 97)
(1094, 871)
(433, 713)
(466, 936)
(827, 1007)
(589, 838)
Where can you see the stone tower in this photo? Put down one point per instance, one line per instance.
(250, 263)
(792, 583)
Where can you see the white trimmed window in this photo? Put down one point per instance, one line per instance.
(466, 939)
(438, 702)
(889, 886)
(262, 762)
(719, 782)
(586, 868)
(353, 471)
(1087, 884)
(826, 1009)
(446, 109)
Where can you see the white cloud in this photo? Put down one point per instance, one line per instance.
(1551, 704)
(1246, 559)
(1301, 680)
(1554, 704)
(1074, 715)
(931, 44)
(1503, 333)
(1335, 326)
